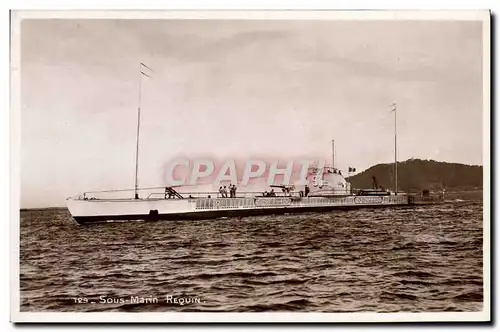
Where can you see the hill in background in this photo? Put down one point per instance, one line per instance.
(417, 175)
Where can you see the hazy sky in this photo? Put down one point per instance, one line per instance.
(240, 89)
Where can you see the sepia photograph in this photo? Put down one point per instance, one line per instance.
(315, 166)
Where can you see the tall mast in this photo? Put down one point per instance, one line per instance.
(142, 69)
(394, 109)
(333, 154)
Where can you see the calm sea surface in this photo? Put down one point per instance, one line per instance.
(425, 258)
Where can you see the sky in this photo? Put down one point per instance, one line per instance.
(241, 89)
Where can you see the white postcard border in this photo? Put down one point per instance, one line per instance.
(15, 121)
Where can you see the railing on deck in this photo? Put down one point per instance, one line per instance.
(213, 194)
(154, 193)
